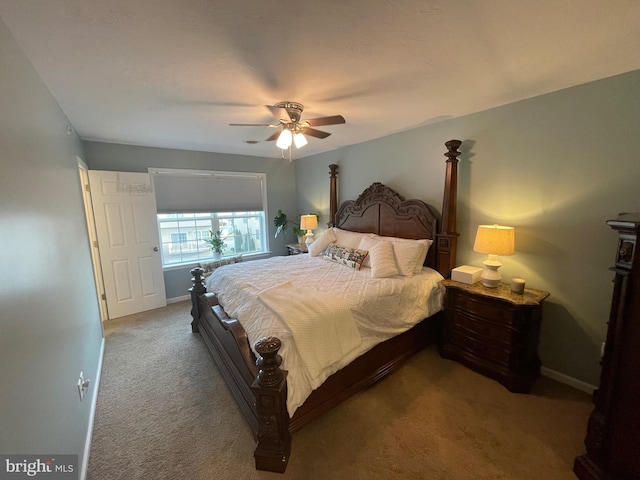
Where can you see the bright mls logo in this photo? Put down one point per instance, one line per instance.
(49, 467)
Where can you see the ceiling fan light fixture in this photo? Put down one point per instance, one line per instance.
(290, 127)
(300, 140)
(284, 140)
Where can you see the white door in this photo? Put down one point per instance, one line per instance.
(124, 208)
(93, 239)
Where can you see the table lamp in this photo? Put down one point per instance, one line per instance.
(493, 240)
(308, 223)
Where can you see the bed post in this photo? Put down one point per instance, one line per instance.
(333, 194)
(198, 289)
(270, 389)
(448, 237)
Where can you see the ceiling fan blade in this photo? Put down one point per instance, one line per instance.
(279, 113)
(253, 125)
(274, 136)
(333, 120)
(315, 133)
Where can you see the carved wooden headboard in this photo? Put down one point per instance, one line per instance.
(382, 210)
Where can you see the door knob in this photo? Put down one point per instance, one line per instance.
(155, 249)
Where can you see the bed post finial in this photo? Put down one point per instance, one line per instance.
(333, 194)
(270, 390)
(448, 237)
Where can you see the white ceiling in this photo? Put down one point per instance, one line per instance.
(174, 73)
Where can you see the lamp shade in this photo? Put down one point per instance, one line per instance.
(495, 240)
(284, 140)
(308, 222)
(300, 140)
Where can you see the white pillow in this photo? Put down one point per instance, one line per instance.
(422, 256)
(322, 242)
(383, 262)
(367, 242)
(406, 257)
(345, 238)
(410, 254)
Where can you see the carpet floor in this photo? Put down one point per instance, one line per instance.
(164, 412)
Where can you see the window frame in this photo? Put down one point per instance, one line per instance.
(215, 218)
(189, 228)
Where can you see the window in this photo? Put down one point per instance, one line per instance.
(190, 205)
(183, 235)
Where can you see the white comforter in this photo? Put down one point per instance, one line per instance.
(381, 307)
(322, 327)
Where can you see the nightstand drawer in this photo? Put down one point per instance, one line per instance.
(481, 347)
(498, 333)
(491, 311)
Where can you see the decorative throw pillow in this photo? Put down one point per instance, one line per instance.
(350, 257)
(322, 242)
(209, 267)
(383, 261)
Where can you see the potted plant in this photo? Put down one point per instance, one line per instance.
(217, 244)
(282, 223)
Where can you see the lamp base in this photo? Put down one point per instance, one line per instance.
(490, 276)
(308, 238)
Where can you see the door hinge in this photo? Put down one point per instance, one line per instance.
(95, 243)
(87, 187)
(104, 297)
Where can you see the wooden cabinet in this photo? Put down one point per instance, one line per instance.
(613, 432)
(494, 332)
(296, 248)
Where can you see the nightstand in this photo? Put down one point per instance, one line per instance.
(494, 332)
(296, 248)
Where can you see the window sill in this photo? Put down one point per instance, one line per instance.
(189, 265)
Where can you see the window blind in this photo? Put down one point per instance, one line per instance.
(186, 191)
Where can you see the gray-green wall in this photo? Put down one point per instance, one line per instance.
(555, 167)
(281, 187)
(49, 320)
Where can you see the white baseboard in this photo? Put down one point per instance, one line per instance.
(92, 416)
(566, 379)
(178, 299)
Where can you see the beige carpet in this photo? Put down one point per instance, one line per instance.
(164, 412)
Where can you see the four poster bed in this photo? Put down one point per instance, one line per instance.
(278, 401)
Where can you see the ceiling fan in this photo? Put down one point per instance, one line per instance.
(291, 128)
